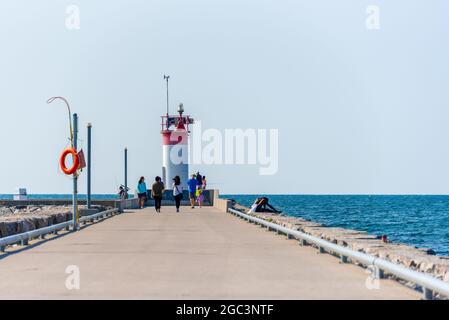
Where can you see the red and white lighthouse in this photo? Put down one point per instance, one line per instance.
(175, 152)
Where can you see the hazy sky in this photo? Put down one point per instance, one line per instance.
(358, 110)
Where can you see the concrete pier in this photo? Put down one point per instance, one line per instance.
(197, 254)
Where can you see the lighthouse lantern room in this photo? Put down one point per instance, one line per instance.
(175, 157)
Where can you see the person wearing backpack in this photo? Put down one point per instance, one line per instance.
(177, 191)
(156, 192)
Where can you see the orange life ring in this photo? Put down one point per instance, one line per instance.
(76, 161)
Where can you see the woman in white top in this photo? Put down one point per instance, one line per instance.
(177, 192)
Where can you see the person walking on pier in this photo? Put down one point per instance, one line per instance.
(204, 183)
(192, 184)
(199, 196)
(142, 192)
(199, 179)
(156, 192)
(177, 191)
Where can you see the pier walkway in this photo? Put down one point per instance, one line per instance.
(197, 254)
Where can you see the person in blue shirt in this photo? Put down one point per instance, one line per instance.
(192, 183)
(142, 192)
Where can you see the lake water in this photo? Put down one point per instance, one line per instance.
(421, 221)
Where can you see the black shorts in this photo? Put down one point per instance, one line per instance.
(192, 195)
(142, 195)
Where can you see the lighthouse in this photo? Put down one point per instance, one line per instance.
(175, 138)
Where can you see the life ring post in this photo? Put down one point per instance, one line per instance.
(73, 134)
(75, 176)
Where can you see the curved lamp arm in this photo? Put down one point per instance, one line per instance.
(70, 114)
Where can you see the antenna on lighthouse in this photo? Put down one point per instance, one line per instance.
(166, 78)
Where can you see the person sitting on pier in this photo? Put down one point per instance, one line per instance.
(123, 194)
(261, 204)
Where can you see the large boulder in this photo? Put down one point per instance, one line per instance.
(5, 211)
(25, 225)
(3, 230)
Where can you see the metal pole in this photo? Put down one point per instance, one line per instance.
(75, 175)
(166, 79)
(89, 167)
(126, 170)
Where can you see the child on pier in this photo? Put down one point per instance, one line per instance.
(199, 196)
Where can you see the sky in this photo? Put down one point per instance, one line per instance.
(358, 110)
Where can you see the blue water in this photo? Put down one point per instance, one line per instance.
(63, 196)
(421, 221)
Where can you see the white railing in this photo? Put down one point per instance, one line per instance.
(430, 285)
(23, 238)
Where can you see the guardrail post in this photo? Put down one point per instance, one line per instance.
(378, 273)
(427, 294)
(2, 249)
(303, 242)
(321, 250)
(344, 259)
(24, 242)
(289, 236)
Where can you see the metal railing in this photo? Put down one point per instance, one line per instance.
(429, 284)
(23, 238)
